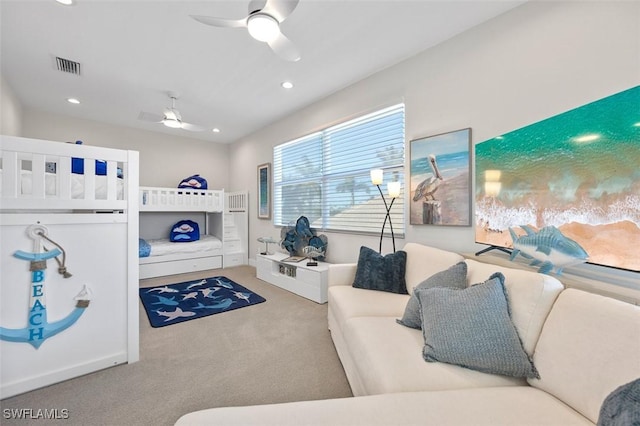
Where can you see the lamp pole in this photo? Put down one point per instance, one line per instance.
(387, 216)
(394, 191)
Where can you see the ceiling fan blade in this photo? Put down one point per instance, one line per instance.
(171, 114)
(149, 116)
(221, 22)
(256, 5)
(285, 48)
(280, 9)
(192, 127)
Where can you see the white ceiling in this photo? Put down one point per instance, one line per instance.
(133, 52)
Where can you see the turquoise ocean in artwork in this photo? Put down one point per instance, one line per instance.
(450, 164)
(581, 167)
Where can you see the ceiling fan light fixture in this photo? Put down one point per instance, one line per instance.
(263, 27)
(172, 122)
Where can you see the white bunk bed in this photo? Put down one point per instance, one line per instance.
(95, 219)
(221, 217)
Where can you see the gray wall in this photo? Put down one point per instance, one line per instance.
(533, 62)
(164, 159)
(10, 111)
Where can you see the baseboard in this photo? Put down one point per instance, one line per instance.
(8, 390)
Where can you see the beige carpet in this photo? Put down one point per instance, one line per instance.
(276, 351)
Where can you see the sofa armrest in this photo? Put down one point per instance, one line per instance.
(342, 274)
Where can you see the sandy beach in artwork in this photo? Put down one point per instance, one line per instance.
(611, 244)
(455, 203)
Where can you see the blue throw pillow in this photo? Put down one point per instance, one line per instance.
(195, 182)
(473, 328)
(77, 167)
(622, 406)
(185, 231)
(144, 248)
(382, 273)
(454, 277)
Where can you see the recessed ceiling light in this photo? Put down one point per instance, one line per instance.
(215, 130)
(287, 84)
(66, 2)
(637, 124)
(73, 101)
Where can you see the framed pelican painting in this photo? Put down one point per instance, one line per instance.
(440, 185)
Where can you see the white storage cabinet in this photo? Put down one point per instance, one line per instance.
(310, 282)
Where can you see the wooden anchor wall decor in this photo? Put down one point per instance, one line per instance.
(38, 328)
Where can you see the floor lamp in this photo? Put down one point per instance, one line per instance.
(393, 188)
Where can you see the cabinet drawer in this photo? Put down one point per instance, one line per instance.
(229, 219)
(230, 232)
(159, 269)
(232, 246)
(233, 259)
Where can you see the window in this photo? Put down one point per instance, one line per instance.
(325, 176)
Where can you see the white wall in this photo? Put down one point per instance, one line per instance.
(536, 61)
(164, 159)
(10, 111)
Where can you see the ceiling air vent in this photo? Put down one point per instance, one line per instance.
(66, 65)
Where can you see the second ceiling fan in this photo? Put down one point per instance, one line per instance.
(170, 117)
(263, 23)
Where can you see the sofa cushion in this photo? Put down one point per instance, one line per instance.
(472, 328)
(424, 261)
(349, 302)
(382, 273)
(454, 277)
(589, 346)
(388, 359)
(531, 296)
(522, 406)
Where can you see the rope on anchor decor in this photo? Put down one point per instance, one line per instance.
(62, 269)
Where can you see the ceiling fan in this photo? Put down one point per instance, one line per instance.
(263, 24)
(171, 117)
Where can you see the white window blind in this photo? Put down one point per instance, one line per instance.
(325, 176)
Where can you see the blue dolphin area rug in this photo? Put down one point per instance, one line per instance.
(174, 303)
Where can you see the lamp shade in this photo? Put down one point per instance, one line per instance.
(394, 189)
(376, 176)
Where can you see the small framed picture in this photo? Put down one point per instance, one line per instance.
(264, 191)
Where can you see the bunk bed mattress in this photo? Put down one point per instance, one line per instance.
(167, 258)
(77, 185)
(164, 247)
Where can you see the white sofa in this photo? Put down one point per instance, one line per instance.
(583, 345)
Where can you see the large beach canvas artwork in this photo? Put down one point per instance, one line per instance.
(441, 179)
(574, 176)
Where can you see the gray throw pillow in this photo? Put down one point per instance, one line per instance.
(454, 277)
(383, 273)
(622, 406)
(473, 328)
